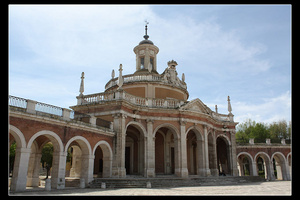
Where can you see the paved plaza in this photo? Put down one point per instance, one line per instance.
(276, 188)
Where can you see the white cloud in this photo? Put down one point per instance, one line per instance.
(271, 109)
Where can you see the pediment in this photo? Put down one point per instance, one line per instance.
(196, 105)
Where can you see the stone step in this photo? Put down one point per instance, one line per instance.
(72, 182)
(172, 181)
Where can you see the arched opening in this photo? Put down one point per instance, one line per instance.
(166, 151)
(159, 153)
(103, 160)
(244, 165)
(279, 166)
(195, 150)
(223, 156)
(51, 144)
(263, 165)
(17, 160)
(134, 150)
(191, 145)
(98, 163)
(80, 165)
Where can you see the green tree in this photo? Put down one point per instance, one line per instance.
(260, 133)
(279, 130)
(47, 157)
(245, 131)
(12, 153)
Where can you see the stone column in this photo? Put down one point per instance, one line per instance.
(150, 151)
(214, 171)
(76, 162)
(206, 157)
(234, 170)
(118, 169)
(58, 170)
(33, 179)
(270, 170)
(87, 168)
(182, 151)
(201, 171)
(254, 168)
(19, 179)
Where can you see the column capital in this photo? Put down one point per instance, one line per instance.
(182, 122)
(150, 120)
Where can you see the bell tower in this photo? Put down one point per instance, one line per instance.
(146, 53)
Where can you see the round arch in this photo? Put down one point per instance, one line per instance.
(247, 154)
(281, 156)
(167, 125)
(252, 168)
(18, 135)
(139, 126)
(264, 155)
(55, 139)
(58, 163)
(107, 157)
(224, 137)
(269, 173)
(84, 144)
(280, 165)
(104, 144)
(197, 131)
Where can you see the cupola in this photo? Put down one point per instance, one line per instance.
(146, 53)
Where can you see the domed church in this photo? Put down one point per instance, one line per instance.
(158, 131)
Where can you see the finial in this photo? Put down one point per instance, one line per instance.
(120, 78)
(113, 74)
(146, 28)
(183, 77)
(81, 89)
(229, 105)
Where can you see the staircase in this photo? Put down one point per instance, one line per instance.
(171, 181)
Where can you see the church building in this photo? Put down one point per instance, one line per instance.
(158, 131)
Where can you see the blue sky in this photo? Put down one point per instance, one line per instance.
(239, 50)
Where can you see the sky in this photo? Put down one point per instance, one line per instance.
(243, 51)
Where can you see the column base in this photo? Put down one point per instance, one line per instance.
(150, 173)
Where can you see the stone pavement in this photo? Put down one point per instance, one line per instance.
(259, 188)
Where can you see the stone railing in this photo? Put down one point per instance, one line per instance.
(35, 107)
(140, 78)
(43, 109)
(103, 97)
(122, 95)
(220, 117)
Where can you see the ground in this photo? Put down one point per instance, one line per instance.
(259, 188)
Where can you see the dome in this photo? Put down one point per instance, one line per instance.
(146, 42)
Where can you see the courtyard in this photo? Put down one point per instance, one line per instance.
(276, 188)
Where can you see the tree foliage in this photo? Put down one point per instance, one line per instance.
(261, 131)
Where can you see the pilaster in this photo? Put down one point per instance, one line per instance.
(118, 169)
(206, 157)
(234, 169)
(150, 151)
(182, 151)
